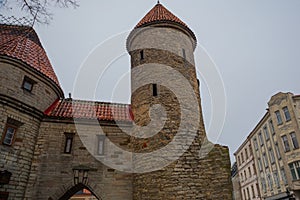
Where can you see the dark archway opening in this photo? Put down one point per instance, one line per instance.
(78, 190)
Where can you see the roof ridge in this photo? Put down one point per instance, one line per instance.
(92, 101)
(83, 109)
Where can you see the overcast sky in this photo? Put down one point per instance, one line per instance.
(254, 44)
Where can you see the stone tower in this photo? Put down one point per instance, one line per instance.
(28, 86)
(166, 105)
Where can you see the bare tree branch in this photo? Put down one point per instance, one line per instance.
(40, 9)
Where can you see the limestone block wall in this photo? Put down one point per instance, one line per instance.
(52, 169)
(162, 38)
(17, 158)
(12, 74)
(192, 176)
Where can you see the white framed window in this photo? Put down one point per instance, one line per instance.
(295, 170)
(242, 155)
(266, 132)
(259, 164)
(271, 154)
(261, 140)
(265, 158)
(253, 192)
(286, 114)
(270, 181)
(277, 151)
(283, 176)
(278, 117)
(272, 126)
(294, 140)
(248, 193)
(263, 185)
(249, 171)
(255, 144)
(276, 179)
(285, 143)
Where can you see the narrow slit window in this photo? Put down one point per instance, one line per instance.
(69, 142)
(154, 90)
(183, 54)
(142, 54)
(100, 148)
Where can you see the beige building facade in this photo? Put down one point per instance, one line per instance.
(247, 172)
(275, 148)
(235, 179)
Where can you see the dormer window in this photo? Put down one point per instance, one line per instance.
(28, 84)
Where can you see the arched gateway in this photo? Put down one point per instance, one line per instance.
(72, 191)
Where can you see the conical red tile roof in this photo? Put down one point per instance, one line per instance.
(22, 43)
(160, 15)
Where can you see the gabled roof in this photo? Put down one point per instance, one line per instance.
(161, 15)
(22, 43)
(80, 109)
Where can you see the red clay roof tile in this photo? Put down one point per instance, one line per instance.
(159, 14)
(22, 43)
(79, 109)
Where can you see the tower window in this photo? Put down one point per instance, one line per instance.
(183, 53)
(142, 54)
(9, 135)
(154, 90)
(69, 142)
(28, 84)
(100, 148)
(285, 143)
(10, 131)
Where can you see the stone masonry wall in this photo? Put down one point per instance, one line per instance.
(12, 75)
(195, 174)
(52, 169)
(18, 157)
